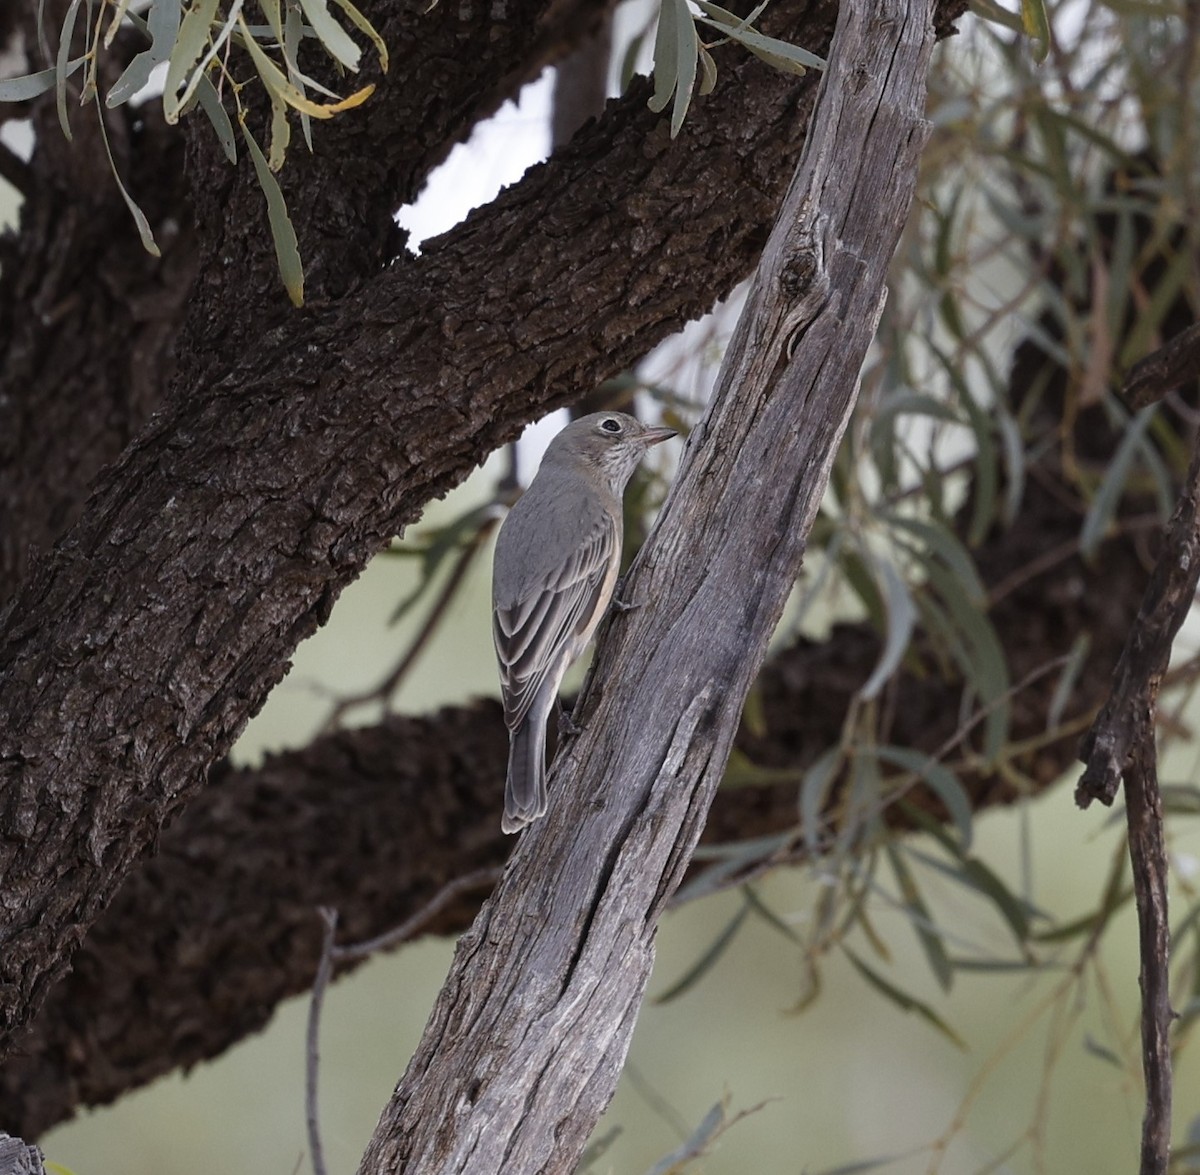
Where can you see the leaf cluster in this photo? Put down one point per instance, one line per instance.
(209, 52)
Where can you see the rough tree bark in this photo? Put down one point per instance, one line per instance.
(227, 529)
(527, 1039)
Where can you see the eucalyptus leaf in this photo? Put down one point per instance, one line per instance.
(139, 217)
(333, 37)
(162, 26)
(666, 55)
(1036, 25)
(687, 48)
(61, 62)
(283, 234)
(697, 1142)
(1103, 508)
(941, 781)
(901, 620)
(814, 792)
(921, 920)
(902, 1000)
(195, 32)
(30, 85)
(708, 959)
(210, 103)
(367, 29)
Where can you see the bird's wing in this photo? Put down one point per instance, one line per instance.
(554, 619)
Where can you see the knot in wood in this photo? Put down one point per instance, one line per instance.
(797, 273)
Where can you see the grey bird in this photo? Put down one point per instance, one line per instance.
(556, 563)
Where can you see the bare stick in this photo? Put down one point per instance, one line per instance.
(312, 1055)
(479, 879)
(331, 954)
(1120, 744)
(1175, 363)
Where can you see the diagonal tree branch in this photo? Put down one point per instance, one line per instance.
(81, 374)
(528, 1036)
(1121, 746)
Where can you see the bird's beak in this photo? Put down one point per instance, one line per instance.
(656, 436)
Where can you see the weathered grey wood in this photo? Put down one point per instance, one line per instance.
(525, 1043)
(17, 1158)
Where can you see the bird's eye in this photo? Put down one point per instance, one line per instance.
(610, 424)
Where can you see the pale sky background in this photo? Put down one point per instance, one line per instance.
(851, 1079)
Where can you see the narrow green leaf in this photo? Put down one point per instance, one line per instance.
(730, 19)
(278, 85)
(901, 620)
(695, 1145)
(30, 85)
(783, 56)
(234, 17)
(666, 55)
(194, 34)
(281, 134)
(1014, 464)
(708, 959)
(708, 71)
(814, 792)
(367, 29)
(456, 535)
(990, 10)
(687, 47)
(287, 251)
(862, 582)
(858, 1168)
(210, 103)
(902, 1000)
(139, 217)
(1093, 1046)
(336, 40)
(939, 540)
(985, 668)
(941, 781)
(292, 35)
(274, 17)
(61, 63)
(759, 907)
(1067, 679)
(978, 876)
(1036, 25)
(997, 966)
(162, 27)
(787, 56)
(921, 920)
(1104, 505)
(732, 861)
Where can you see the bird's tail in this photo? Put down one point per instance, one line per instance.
(525, 790)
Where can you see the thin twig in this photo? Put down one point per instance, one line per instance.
(1120, 745)
(1107, 747)
(312, 1055)
(1148, 854)
(331, 954)
(386, 689)
(409, 928)
(1175, 363)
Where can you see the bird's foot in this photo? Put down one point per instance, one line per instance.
(619, 603)
(566, 724)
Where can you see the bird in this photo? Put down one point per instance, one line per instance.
(553, 575)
